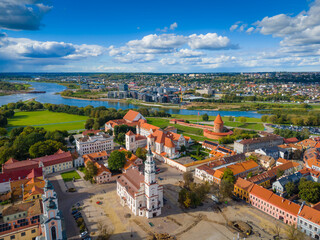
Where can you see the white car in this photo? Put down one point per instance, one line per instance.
(84, 234)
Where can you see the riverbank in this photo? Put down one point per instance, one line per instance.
(128, 101)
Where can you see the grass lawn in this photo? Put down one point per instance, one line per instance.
(48, 120)
(68, 176)
(159, 122)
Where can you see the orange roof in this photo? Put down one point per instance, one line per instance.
(101, 169)
(244, 184)
(275, 200)
(310, 214)
(218, 119)
(149, 126)
(11, 160)
(168, 143)
(130, 133)
(282, 160)
(131, 115)
(95, 155)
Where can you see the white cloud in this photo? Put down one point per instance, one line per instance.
(22, 14)
(210, 41)
(234, 27)
(25, 52)
(242, 27)
(302, 29)
(250, 30)
(188, 53)
(173, 26)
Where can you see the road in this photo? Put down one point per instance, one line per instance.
(66, 200)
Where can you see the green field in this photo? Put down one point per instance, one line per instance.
(48, 120)
(68, 176)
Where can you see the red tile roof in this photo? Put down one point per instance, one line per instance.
(131, 179)
(244, 184)
(218, 119)
(131, 115)
(310, 214)
(130, 133)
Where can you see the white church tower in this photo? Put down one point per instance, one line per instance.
(51, 220)
(153, 192)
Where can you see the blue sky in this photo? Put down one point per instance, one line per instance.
(159, 36)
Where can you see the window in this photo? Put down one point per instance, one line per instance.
(33, 231)
(23, 234)
(13, 237)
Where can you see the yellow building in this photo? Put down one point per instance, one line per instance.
(21, 221)
(242, 189)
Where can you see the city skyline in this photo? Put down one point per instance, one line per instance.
(59, 36)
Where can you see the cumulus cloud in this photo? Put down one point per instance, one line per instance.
(22, 14)
(154, 43)
(23, 52)
(299, 30)
(150, 47)
(210, 41)
(188, 53)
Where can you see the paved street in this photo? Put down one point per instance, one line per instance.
(67, 200)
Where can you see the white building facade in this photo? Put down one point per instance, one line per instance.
(97, 143)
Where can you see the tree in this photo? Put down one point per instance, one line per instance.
(188, 179)
(249, 175)
(128, 154)
(205, 117)
(116, 160)
(47, 147)
(90, 171)
(309, 191)
(89, 124)
(96, 125)
(71, 139)
(104, 232)
(264, 118)
(231, 119)
(279, 173)
(242, 119)
(225, 189)
(198, 151)
(141, 153)
(293, 233)
(121, 138)
(183, 149)
(290, 188)
(228, 176)
(3, 131)
(276, 230)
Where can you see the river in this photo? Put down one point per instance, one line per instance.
(51, 97)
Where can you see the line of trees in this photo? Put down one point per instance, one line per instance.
(30, 142)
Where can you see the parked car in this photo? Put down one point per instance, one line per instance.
(74, 212)
(84, 234)
(77, 217)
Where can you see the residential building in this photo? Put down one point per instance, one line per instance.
(241, 169)
(274, 205)
(96, 143)
(21, 221)
(279, 186)
(53, 163)
(309, 221)
(141, 192)
(267, 178)
(242, 189)
(249, 145)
